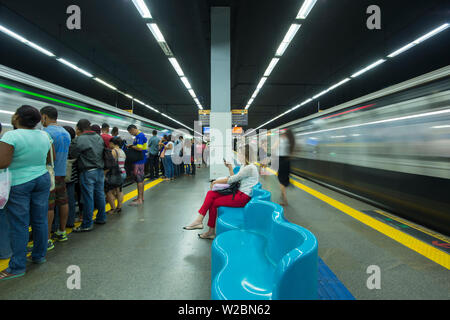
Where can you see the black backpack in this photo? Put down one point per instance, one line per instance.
(108, 159)
(232, 189)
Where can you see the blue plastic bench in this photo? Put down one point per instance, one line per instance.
(270, 258)
(233, 218)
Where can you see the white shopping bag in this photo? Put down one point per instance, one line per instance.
(5, 187)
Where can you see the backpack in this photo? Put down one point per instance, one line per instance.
(108, 159)
(232, 189)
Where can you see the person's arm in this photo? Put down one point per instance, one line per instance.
(115, 154)
(6, 152)
(49, 158)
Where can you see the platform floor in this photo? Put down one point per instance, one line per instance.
(143, 253)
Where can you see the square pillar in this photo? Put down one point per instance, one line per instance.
(220, 118)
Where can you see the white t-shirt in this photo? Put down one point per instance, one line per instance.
(248, 176)
(169, 151)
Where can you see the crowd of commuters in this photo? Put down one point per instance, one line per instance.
(59, 168)
(56, 168)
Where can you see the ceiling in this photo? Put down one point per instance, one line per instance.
(115, 44)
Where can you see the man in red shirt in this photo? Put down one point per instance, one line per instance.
(105, 134)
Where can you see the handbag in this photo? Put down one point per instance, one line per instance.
(114, 175)
(133, 155)
(5, 187)
(51, 167)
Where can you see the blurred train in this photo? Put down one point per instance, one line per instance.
(17, 89)
(390, 148)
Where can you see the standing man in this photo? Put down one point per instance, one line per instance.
(105, 134)
(87, 148)
(139, 144)
(58, 196)
(153, 158)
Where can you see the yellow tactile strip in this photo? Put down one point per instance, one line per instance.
(127, 197)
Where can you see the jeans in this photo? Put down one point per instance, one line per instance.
(5, 246)
(168, 166)
(177, 170)
(92, 191)
(188, 169)
(72, 208)
(28, 202)
(154, 166)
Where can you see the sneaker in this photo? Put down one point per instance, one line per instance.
(83, 229)
(99, 222)
(61, 236)
(6, 275)
(50, 245)
(43, 260)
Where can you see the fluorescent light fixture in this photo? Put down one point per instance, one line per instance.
(291, 32)
(338, 84)
(261, 82)
(281, 49)
(7, 112)
(12, 34)
(39, 48)
(431, 33)
(186, 83)
(6, 125)
(25, 41)
(67, 63)
(176, 66)
(320, 94)
(192, 93)
(105, 83)
(255, 93)
(373, 65)
(419, 40)
(139, 101)
(272, 65)
(142, 8)
(305, 102)
(156, 32)
(441, 127)
(305, 9)
(127, 95)
(196, 101)
(402, 49)
(287, 39)
(247, 106)
(250, 101)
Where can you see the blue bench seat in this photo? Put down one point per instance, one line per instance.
(268, 258)
(233, 218)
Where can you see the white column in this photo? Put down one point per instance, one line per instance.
(220, 118)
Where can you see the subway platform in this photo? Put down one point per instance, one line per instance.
(143, 252)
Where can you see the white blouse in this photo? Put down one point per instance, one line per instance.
(248, 176)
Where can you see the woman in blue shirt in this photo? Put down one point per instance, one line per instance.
(26, 151)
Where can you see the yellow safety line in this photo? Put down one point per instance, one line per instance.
(414, 244)
(414, 226)
(4, 262)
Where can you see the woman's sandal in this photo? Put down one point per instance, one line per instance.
(197, 226)
(210, 237)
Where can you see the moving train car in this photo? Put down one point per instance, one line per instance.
(390, 148)
(17, 89)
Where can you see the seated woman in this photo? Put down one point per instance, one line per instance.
(248, 177)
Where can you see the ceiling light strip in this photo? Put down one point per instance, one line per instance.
(73, 66)
(358, 73)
